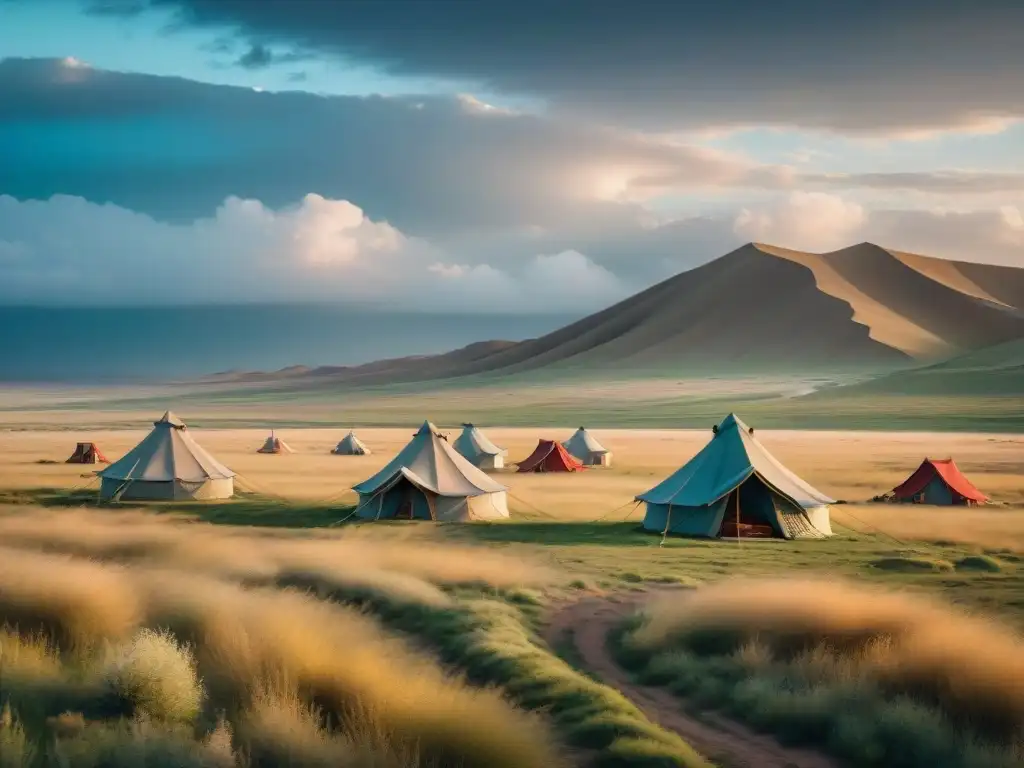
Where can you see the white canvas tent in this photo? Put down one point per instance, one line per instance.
(585, 447)
(734, 486)
(275, 445)
(168, 465)
(351, 445)
(474, 446)
(429, 480)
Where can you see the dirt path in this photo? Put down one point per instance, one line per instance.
(721, 740)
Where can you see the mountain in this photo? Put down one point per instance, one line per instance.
(762, 309)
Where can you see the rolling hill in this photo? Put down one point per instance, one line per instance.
(996, 371)
(758, 309)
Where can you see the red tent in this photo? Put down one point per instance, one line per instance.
(550, 456)
(87, 453)
(938, 481)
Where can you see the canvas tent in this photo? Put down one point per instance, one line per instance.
(168, 465)
(275, 445)
(87, 453)
(474, 446)
(584, 447)
(429, 480)
(549, 456)
(735, 487)
(351, 445)
(938, 481)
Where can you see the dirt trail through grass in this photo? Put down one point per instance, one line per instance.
(587, 623)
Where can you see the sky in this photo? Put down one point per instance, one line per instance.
(497, 155)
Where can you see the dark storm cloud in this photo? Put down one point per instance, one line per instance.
(257, 57)
(860, 67)
(260, 56)
(176, 149)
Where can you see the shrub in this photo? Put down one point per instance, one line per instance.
(157, 675)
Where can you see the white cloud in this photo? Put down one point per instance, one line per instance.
(804, 220)
(66, 249)
(822, 222)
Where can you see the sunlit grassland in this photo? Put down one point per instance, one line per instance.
(872, 676)
(89, 590)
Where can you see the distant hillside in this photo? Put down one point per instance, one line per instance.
(996, 371)
(759, 309)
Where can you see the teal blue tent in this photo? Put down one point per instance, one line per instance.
(735, 487)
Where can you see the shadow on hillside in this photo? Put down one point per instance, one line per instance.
(244, 509)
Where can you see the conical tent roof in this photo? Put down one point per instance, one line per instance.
(351, 445)
(583, 444)
(275, 445)
(87, 453)
(549, 456)
(167, 453)
(732, 456)
(473, 444)
(429, 462)
(950, 474)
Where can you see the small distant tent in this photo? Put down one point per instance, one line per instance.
(938, 481)
(87, 453)
(275, 445)
(351, 445)
(430, 480)
(735, 488)
(474, 446)
(585, 447)
(549, 456)
(168, 465)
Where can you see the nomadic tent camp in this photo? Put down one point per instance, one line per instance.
(275, 445)
(478, 450)
(584, 447)
(549, 456)
(735, 487)
(429, 480)
(167, 465)
(87, 453)
(351, 445)
(938, 481)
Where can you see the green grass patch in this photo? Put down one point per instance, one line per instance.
(984, 563)
(489, 640)
(912, 564)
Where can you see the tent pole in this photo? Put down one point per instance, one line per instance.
(738, 536)
(668, 523)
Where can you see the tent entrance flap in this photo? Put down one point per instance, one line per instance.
(404, 500)
(750, 512)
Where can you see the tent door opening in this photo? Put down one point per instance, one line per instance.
(750, 513)
(409, 502)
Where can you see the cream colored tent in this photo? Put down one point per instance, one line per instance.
(167, 465)
(585, 447)
(429, 480)
(275, 445)
(735, 487)
(474, 446)
(351, 445)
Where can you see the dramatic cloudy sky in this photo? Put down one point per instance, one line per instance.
(491, 154)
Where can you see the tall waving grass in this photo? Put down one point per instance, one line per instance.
(878, 678)
(128, 647)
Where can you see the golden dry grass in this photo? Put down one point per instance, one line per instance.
(987, 527)
(830, 635)
(376, 695)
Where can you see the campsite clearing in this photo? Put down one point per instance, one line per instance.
(588, 523)
(571, 536)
